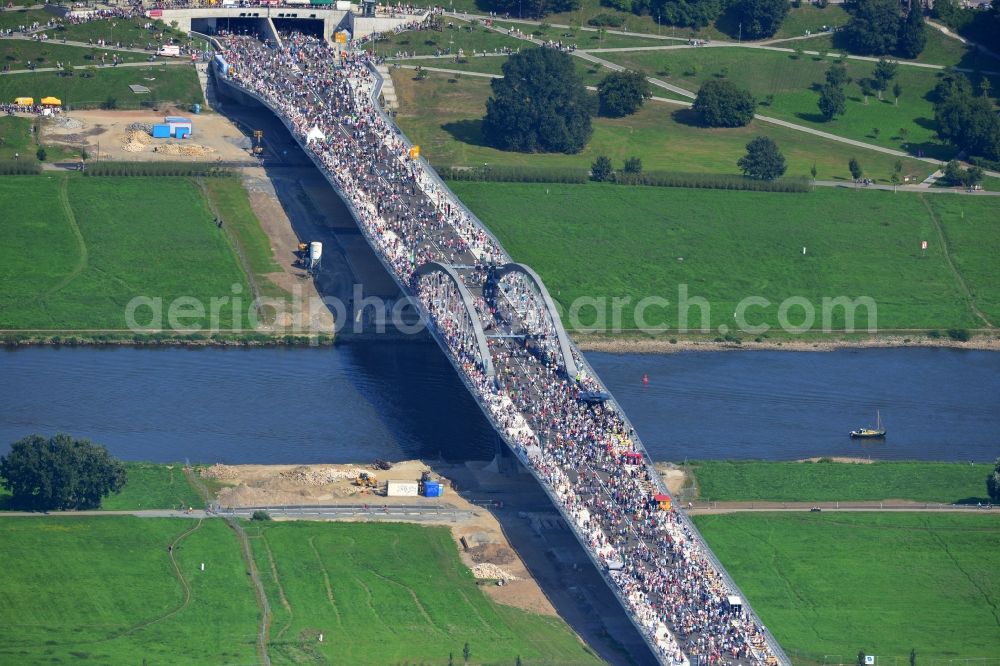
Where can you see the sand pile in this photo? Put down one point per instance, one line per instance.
(185, 149)
(220, 472)
(309, 476)
(492, 572)
(135, 141)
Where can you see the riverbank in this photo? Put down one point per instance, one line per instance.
(128, 339)
(632, 345)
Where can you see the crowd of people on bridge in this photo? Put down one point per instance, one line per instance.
(586, 453)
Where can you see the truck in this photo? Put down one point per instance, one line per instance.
(169, 50)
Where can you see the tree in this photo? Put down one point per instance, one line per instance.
(622, 93)
(993, 483)
(966, 120)
(953, 173)
(875, 132)
(41, 154)
(633, 166)
(856, 170)
(466, 653)
(761, 18)
(912, 34)
(60, 473)
(973, 176)
(832, 101)
(867, 88)
(534, 8)
(540, 104)
(722, 104)
(763, 160)
(897, 90)
(602, 170)
(837, 76)
(913, 656)
(984, 86)
(813, 172)
(874, 28)
(885, 71)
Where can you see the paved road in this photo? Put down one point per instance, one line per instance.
(297, 512)
(892, 506)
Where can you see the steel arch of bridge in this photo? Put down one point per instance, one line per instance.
(470, 308)
(564, 346)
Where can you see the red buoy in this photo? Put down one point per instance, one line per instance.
(645, 380)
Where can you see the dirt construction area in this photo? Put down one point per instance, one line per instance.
(478, 535)
(123, 136)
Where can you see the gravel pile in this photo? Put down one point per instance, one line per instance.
(308, 476)
(221, 472)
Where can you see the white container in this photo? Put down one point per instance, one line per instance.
(315, 252)
(402, 488)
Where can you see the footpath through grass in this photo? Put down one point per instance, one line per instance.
(77, 250)
(103, 590)
(392, 594)
(830, 584)
(443, 114)
(793, 83)
(836, 481)
(605, 241)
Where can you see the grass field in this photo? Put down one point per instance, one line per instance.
(153, 486)
(392, 594)
(15, 137)
(129, 32)
(444, 119)
(167, 83)
(820, 482)
(77, 250)
(792, 82)
(149, 486)
(103, 590)
(618, 241)
(17, 54)
(829, 585)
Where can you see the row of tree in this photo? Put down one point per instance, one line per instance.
(833, 97)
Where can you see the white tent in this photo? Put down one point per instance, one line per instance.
(315, 134)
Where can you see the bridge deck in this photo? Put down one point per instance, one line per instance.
(675, 591)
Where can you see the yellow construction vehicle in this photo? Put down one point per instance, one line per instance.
(366, 480)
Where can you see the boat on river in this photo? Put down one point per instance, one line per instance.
(878, 432)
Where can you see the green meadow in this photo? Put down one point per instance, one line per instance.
(103, 590)
(723, 480)
(829, 585)
(637, 242)
(391, 594)
(77, 250)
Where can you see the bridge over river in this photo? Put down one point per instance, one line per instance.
(495, 321)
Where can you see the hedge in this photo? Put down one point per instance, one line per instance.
(157, 169)
(20, 168)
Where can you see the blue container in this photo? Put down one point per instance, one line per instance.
(432, 489)
(161, 131)
(182, 132)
